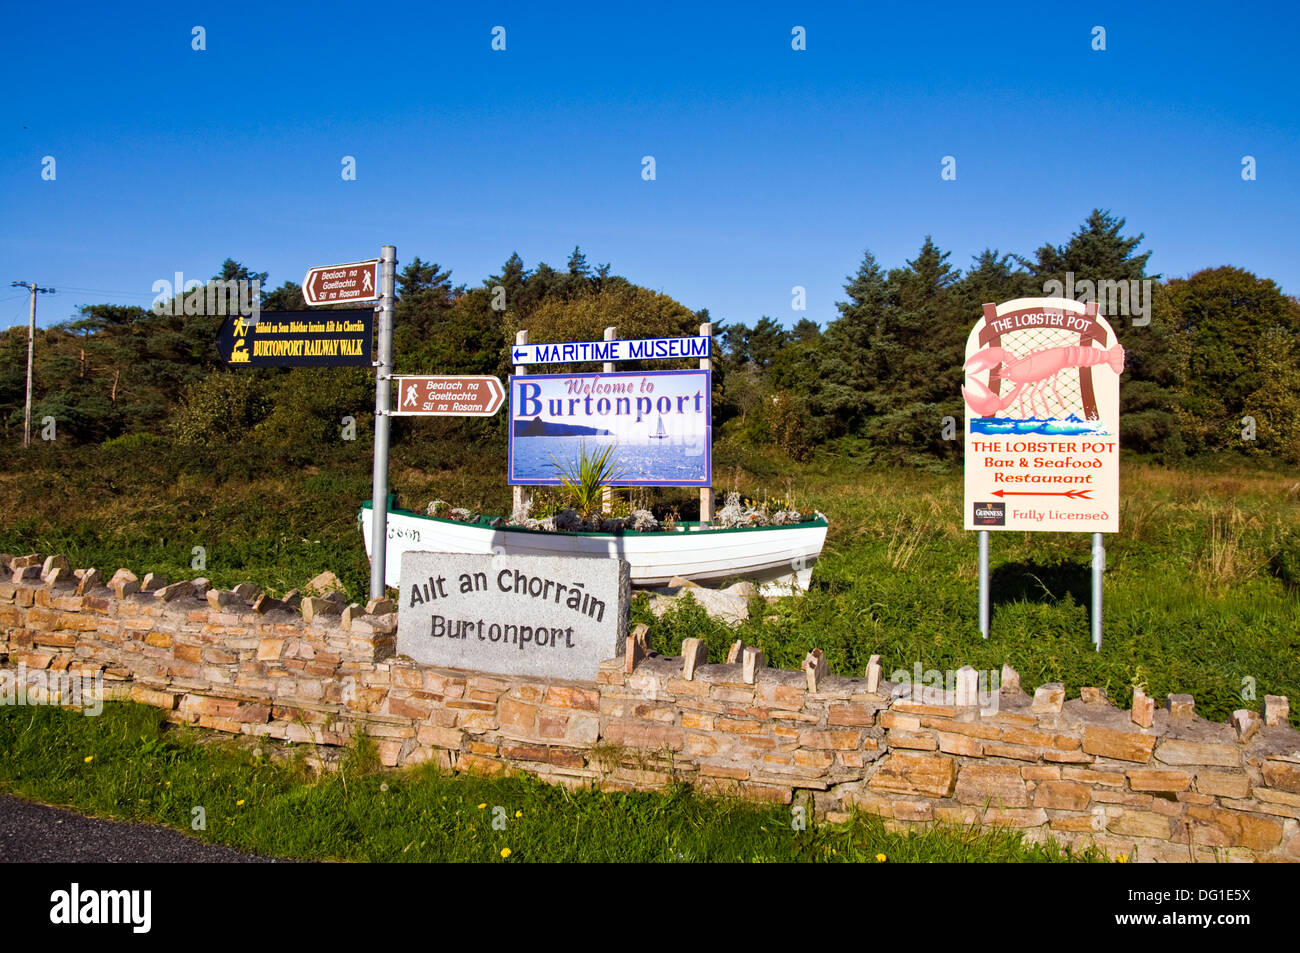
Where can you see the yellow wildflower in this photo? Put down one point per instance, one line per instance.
(505, 852)
(880, 858)
(89, 758)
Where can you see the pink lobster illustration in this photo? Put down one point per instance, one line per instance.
(1031, 374)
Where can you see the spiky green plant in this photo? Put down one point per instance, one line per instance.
(584, 480)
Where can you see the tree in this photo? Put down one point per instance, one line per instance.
(806, 331)
(287, 297)
(765, 340)
(992, 280)
(512, 280)
(425, 296)
(1219, 317)
(578, 264)
(219, 410)
(1274, 406)
(839, 379)
(1096, 252)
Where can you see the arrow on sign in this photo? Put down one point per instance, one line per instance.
(1072, 494)
(518, 354)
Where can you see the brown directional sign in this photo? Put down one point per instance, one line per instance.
(336, 284)
(448, 396)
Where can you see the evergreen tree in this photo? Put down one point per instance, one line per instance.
(765, 340)
(1096, 252)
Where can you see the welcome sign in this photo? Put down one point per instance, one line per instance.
(549, 616)
(658, 422)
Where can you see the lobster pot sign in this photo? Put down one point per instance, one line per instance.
(1041, 389)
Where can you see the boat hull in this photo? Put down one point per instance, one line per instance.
(778, 558)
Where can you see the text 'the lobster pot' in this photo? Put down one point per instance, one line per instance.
(550, 616)
(1041, 390)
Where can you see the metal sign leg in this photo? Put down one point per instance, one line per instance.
(984, 582)
(1098, 568)
(383, 396)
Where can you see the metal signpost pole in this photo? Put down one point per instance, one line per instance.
(706, 492)
(383, 397)
(517, 491)
(1098, 568)
(984, 582)
(607, 493)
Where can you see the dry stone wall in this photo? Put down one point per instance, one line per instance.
(1151, 784)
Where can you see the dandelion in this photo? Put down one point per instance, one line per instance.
(89, 758)
(383, 786)
(481, 806)
(519, 813)
(1122, 859)
(167, 784)
(880, 858)
(239, 803)
(505, 852)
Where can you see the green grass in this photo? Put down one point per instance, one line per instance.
(142, 769)
(1197, 592)
(1202, 591)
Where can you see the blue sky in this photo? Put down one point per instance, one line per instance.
(774, 168)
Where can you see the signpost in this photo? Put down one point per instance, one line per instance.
(383, 398)
(1042, 428)
(658, 423)
(637, 349)
(299, 339)
(339, 284)
(448, 396)
(548, 616)
(670, 452)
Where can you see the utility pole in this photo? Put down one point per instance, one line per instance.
(31, 346)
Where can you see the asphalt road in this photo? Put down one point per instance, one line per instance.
(34, 833)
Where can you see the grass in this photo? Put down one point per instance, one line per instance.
(128, 763)
(1200, 590)
(1202, 583)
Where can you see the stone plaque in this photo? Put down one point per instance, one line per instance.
(551, 616)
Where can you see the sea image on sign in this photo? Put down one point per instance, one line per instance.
(658, 422)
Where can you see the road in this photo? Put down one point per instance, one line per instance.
(34, 833)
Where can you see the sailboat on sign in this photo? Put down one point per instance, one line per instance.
(661, 435)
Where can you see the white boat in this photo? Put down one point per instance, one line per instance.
(779, 559)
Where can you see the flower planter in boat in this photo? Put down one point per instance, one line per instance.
(778, 558)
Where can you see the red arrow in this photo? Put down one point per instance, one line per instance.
(1072, 494)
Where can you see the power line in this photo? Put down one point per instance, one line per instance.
(109, 291)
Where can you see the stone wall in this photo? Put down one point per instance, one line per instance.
(1152, 784)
